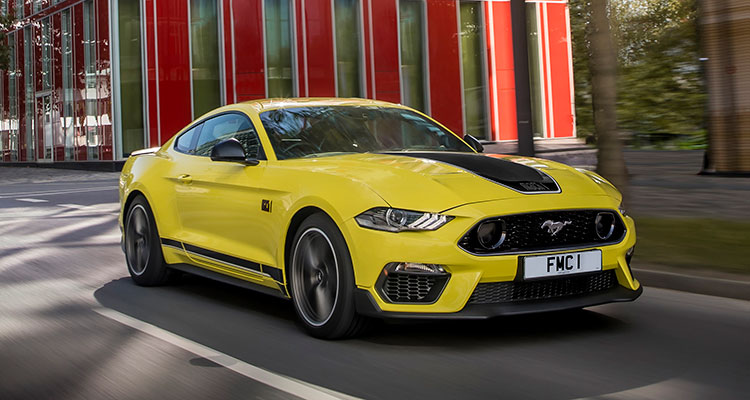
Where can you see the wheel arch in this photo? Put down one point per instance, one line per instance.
(294, 225)
(131, 196)
(129, 200)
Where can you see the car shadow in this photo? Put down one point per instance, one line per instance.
(263, 330)
(193, 301)
(508, 330)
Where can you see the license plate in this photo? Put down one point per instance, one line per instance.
(562, 264)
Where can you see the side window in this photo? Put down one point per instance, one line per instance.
(184, 143)
(228, 126)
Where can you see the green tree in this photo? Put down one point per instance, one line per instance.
(660, 87)
(6, 23)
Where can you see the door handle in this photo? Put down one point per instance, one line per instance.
(185, 178)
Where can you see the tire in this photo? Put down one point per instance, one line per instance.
(143, 247)
(322, 280)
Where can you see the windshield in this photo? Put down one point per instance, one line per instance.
(326, 130)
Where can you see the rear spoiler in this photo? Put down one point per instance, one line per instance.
(142, 152)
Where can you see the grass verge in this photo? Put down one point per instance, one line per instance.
(694, 243)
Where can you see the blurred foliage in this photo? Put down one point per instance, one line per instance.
(6, 23)
(693, 243)
(661, 96)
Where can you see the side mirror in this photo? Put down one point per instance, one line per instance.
(474, 143)
(231, 150)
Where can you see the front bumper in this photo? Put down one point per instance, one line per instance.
(366, 305)
(375, 249)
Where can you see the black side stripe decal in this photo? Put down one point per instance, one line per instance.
(222, 257)
(273, 272)
(171, 243)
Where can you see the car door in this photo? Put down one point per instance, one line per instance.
(220, 203)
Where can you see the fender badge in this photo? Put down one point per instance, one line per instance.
(265, 205)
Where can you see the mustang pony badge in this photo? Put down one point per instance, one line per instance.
(554, 227)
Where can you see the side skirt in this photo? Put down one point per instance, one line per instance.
(192, 269)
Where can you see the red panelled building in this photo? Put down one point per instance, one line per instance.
(97, 79)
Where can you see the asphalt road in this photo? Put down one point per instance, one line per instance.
(73, 325)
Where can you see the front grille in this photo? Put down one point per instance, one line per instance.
(525, 232)
(506, 292)
(412, 288)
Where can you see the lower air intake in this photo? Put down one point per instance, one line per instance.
(506, 292)
(413, 288)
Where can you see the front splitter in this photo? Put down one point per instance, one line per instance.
(366, 305)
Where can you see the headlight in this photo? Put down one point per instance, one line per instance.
(397, 220)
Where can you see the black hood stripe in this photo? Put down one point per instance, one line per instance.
(516, 176)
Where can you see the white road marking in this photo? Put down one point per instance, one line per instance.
(675, 388)
(73, 206)
(289, 385)
(57, 192)
(33, 200)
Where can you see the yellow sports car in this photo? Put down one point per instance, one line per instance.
(357, 209)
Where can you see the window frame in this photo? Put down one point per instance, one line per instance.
(199, 124)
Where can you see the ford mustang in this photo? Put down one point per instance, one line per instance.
(360, 209)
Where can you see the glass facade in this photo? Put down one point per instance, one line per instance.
(177, 59)
(412, 47)
(91, 122)
(472, 63)
(12, 98)
(28, 77)
(44, 98)
(131, 77)
(46, 73)
(204, 41)
(67, 117)
(279, 57)
(348, 51)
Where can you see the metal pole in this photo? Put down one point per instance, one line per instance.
(521, 67)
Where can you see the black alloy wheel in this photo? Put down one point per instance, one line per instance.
(322, 280)
(142, 246)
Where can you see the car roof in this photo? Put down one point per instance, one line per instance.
(272, 104)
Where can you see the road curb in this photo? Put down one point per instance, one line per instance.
(694, 284)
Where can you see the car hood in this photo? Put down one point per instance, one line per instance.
(437, 181)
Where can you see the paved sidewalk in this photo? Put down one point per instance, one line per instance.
(713, 283)
(31, 175)
(666, 183)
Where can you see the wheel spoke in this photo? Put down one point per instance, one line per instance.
(143, 255)
(323, 301)
(137, 240)
(139, 223)
(312, 259)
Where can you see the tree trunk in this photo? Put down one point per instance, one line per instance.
(603, 67)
